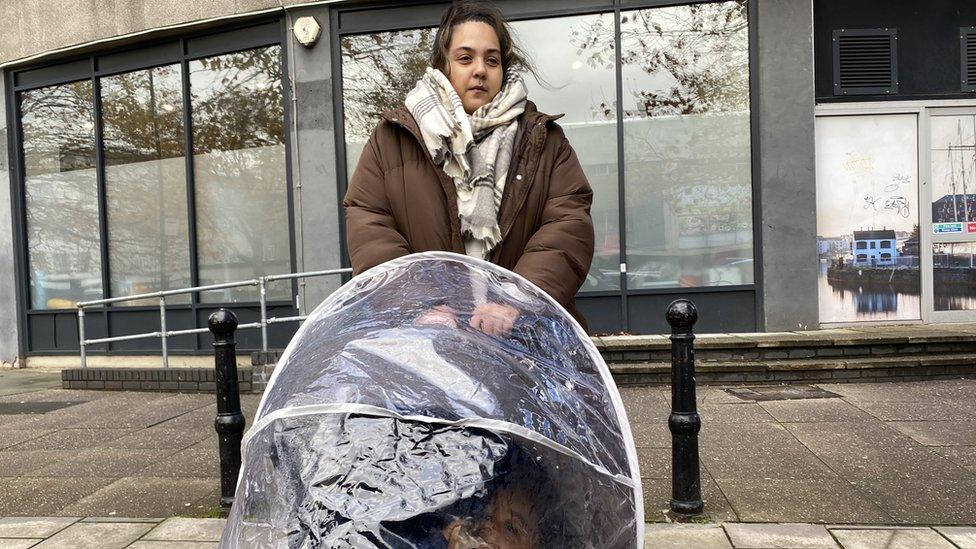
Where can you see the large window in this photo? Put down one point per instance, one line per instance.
(145, 239)
(64, 253)
(686, 174)
(239, 166)
(687, 145)
(145, 182)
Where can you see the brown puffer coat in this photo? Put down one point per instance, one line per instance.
(399, 202)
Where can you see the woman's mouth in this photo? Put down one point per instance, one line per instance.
(478, 89)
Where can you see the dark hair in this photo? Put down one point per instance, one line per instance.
(463, 11)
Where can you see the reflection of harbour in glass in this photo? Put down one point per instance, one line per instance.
(954, 279)
(878, 302)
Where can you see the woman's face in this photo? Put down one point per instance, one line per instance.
(474, 64)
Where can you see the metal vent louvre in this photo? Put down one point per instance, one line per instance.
(967, 47)
(865, 61)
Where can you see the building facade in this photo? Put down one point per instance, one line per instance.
(160, 148)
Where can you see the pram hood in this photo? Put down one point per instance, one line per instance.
(377, 431)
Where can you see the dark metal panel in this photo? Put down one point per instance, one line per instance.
(718, 312)
(53, 74)
(266, 34)
(100, 186)
(602, 313)
(756, 168)
(865, 61)
(147, 320)
(621, 172)
(161, 54)
(967, 58)
(40, 330)
(928, 51)
(339, 122)
(18, 218)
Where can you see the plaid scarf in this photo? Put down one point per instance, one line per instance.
(474, 151)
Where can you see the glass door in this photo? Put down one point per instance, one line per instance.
(948, 246)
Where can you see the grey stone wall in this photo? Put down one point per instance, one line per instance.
(314, 181)
(9, 343)
(32, 27)
(787, 187)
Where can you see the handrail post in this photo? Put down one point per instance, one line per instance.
(684, 421)
(229, 422)
(162, 330)
(263, 288)
(81, 336)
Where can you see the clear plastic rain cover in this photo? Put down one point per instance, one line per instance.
(391, 422)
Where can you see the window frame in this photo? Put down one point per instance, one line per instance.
(252, 33)
(383, 18)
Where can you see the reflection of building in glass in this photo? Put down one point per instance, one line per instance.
(953, 207)
(835, 246)
(876, 247)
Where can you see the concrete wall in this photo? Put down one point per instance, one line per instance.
(787, 187)
(314, 181)
(9, 341)
(35, 26)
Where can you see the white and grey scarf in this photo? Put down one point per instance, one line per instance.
(474, 151)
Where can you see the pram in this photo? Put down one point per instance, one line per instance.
(377, 431)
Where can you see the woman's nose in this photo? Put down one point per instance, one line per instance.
(480, 69)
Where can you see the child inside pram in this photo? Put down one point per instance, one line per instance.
(379, 431)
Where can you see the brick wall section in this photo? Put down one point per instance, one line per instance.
(183, 380)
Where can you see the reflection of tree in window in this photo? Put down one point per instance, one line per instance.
(377, 72)
(698, 54)
(60, 198)
(239, 170)
(145, 182)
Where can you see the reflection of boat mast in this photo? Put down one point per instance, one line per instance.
(962, 171)
(952, 185)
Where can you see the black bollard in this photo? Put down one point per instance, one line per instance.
(229, 422)
(684, 422)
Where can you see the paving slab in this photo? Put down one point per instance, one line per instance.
(101, 462)
(963, 536)
(778, 500)
(909, 500)
(16, 381)
(760, 462)
(686, 536)
(913, 411)
(201, 460)
(93, 535)
(187, 529)
(657, 498)
(964, 456)
(813, 410)
(771, 536)
(146, 497)
(746, 412)
(33, 527)
(769, 435)
(15, 463)
(939, 433)
(654, 462)
(21, 543)
(158, 438)
(12, 437)
(904, 538)
(46, 496)
(72, 439)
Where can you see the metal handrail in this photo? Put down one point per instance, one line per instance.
(261, 282)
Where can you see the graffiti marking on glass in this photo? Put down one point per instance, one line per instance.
(866, 218)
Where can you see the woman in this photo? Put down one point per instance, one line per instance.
(469, 165)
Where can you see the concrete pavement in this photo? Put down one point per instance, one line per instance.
(884, 454)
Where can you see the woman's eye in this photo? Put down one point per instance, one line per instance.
(492, 61)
